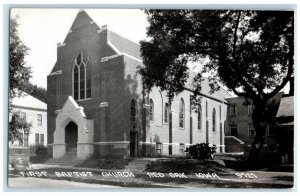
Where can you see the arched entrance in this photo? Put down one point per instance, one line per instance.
(71, 136)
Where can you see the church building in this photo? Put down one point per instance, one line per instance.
(96, 104)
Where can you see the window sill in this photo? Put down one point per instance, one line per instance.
(83, 99)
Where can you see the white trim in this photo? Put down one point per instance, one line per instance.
(86, 99)
(106, 58)
(125, 54)
(122, 53)
(146, 106)
(103, 104)
(61, 44)
(59, 72)
(241, 142)
(114, 48)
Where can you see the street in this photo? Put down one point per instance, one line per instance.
(29, 182)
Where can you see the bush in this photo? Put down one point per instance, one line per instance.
(39, 150)
(200, 151)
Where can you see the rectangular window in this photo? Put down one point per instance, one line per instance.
(233, 130)
(42, 139)
(232, 110)
(251, 131)
(158, 148)
(37, 139)
(39, 120)
(181, 148)
(250, 109)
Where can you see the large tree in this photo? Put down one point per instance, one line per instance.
(19, 75)
(249, 52)
(36, 91)
(19, 72)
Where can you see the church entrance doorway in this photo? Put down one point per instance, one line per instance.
(71, 136)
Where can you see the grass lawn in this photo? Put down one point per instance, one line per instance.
(228, 177)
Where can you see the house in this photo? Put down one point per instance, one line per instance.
(240, 133)
(284, 129)
(96, 104)
(35, 112)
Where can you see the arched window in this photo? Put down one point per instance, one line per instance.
(214, 120)
(181, 114)
(81, 77)
(166, 116)
(199, 117)
(151, 110)
(133, 111)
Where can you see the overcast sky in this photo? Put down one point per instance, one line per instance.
(42, 29)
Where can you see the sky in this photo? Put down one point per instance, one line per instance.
(42, 29)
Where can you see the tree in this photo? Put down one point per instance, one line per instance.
(17, 126)
(19, 73)
(37, 92)
(249, 52)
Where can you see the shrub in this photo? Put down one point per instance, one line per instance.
(200, 151)
(39, 150)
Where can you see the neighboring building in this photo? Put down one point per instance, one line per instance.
(35, 112)
(284, 130)
(96, 103)
(240, 133)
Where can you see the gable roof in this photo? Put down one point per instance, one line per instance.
(286, 107)
(123, 45)
(28, 101)
(221, 94)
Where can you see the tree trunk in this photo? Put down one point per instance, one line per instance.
(259, 123)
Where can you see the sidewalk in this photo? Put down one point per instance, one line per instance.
(259, 179)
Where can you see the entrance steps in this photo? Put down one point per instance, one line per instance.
(69, 159)
(139, 164)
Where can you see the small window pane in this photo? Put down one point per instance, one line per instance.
(42, 139)
(37, 139)
(151, 110)
(39, 119)
(166, 116)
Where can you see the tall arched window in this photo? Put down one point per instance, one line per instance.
(133, 111)
(199, 117)
(151, 110)
(166, 115)
(181, 114)
(81, 76)
(214, 120)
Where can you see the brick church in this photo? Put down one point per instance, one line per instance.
(96, 103)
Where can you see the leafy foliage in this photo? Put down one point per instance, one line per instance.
(39, 150)
(249, 52)
(17, 126)
(37, 92)
(19, 73)
(200, 151)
